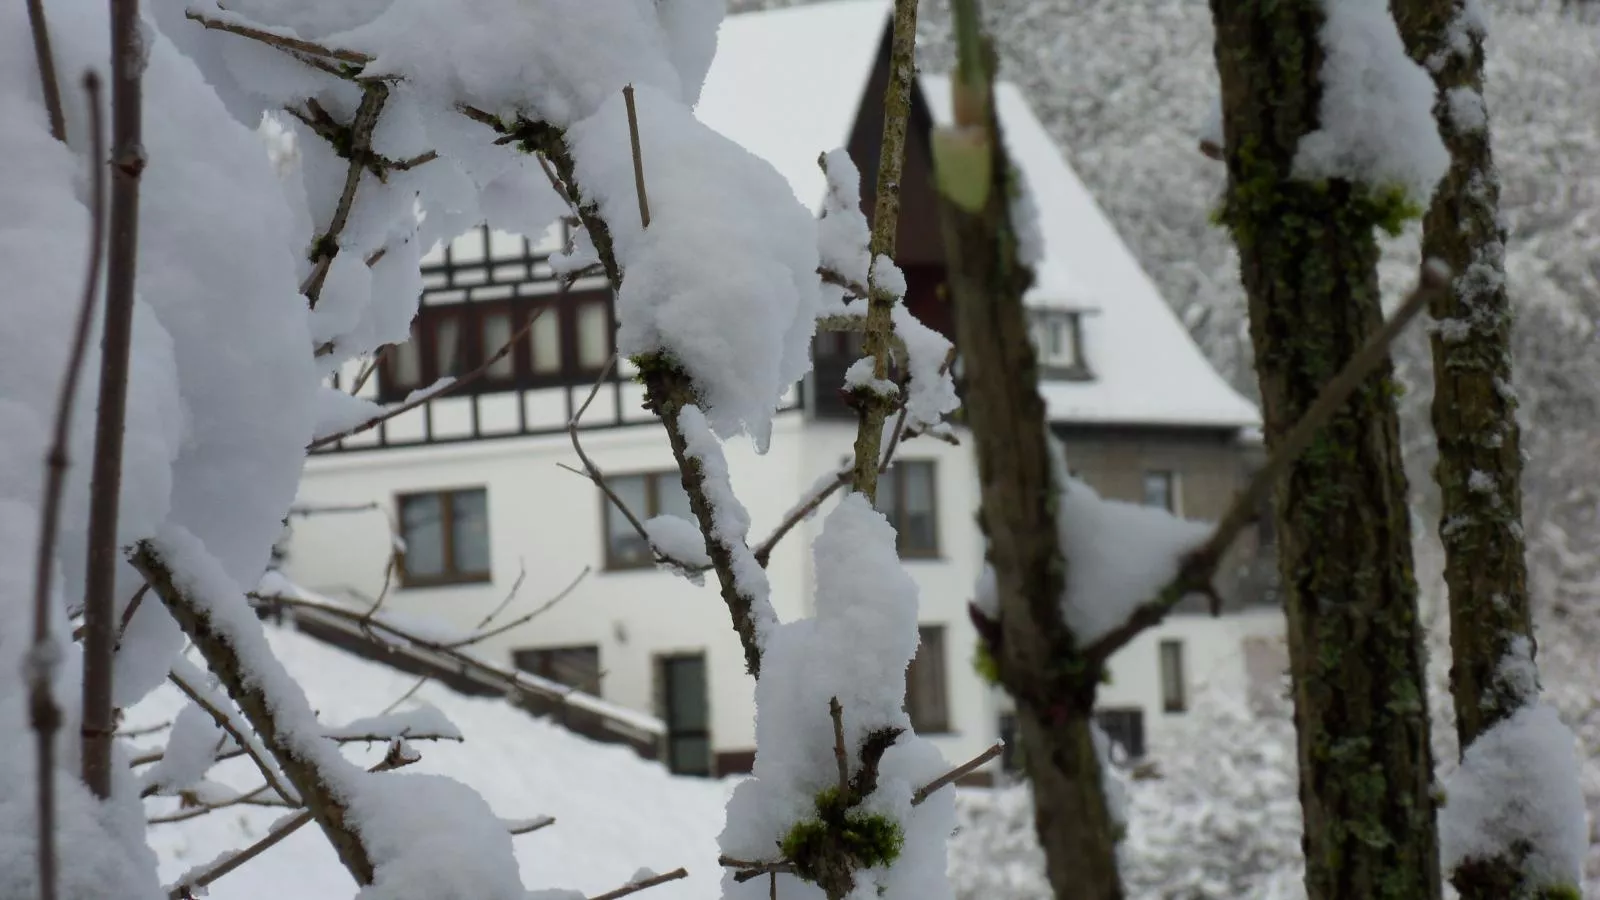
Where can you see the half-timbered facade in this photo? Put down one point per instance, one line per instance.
(474, 484)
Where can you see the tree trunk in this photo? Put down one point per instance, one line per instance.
(1309, 265)
(1037, 657)
(1474, 409)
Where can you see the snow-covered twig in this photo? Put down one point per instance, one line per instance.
(875, 406)
(144, 731)
(1199, 568)
(241, 738)
(281, 41)
(44, 57)
(529, 826)
(43, 659)
(633, 887)
(357, 139)
(429, 396)
(122, 248)
(217, 643)
(194, 882)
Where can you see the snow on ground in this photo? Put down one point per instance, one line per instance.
(614, 811)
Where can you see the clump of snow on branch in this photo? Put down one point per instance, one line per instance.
(856, 649)
(1120, 555)
(678, 539)
(842, 226)
(932, 395)
(724, 281)
(730, 520)
(1517, 790)
(1376, 113)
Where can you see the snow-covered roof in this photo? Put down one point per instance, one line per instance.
(1146, 368)
(787, 85)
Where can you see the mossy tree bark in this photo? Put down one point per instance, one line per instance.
(1309, 265)
(1037, 657)
(1479, 470)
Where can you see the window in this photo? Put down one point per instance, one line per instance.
(569, 342)
(576, 667)
(1174, 690)
(446, 537)
(647, 495)
(1058, 341)
(685, 707)
(1161, 490)
(1125, 727)
(906, 494)
(926, 700)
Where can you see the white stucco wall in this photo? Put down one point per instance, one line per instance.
(547, 522)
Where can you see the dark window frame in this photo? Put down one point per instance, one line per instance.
(1132, 738)
(473, 351)
(652, 509)
(544, 661)
(1174, 677)
(451, 573)
(1078, 369)
(1174, 503)
(663, 661)
(897, 473)
(926, 720)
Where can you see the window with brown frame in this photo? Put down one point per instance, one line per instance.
(446, 536)
(927, 696)
(1058, 343)
(569, 342)
(646, 495)
(576, 667)
(907, 495)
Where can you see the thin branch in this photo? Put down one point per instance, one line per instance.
(530, 826)
(46, 61)
(452, 386)
(874, 406)
(184, 814)
(637, 886)
(841, 757)
(193, 884)
(763, 551)
(1199, 567)
(226, 723)
(970, 765)
(359, 152)
(105, 491)
(638, 157)
(829, 276)
(369, 369)
(145, 731)
(155, 756)
(480, 636)
(282, 42)
(45, 656)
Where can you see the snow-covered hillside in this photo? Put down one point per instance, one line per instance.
(615, 813)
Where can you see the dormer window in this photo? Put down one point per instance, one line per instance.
(1058, 341)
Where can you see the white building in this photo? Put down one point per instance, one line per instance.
(475, 484)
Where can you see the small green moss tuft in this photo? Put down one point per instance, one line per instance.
(656, 362)
(984, 663)
(1390, 208)
(841, 834)
(1560, 892)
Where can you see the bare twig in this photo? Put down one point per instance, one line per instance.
(282, 42)
(637, 886)
(226, 723)
(370, 368)
(255, 797)
(1199, 567)
(530, 826)
(638, 157)
(127, 164)
(970, 765)
(46, 61)
(194, 882)
(454, 385)
(45, 656)
(748, 868)
(841, 757)
(144, 731)
(763, 551)
(480, 636)
(155, 756)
